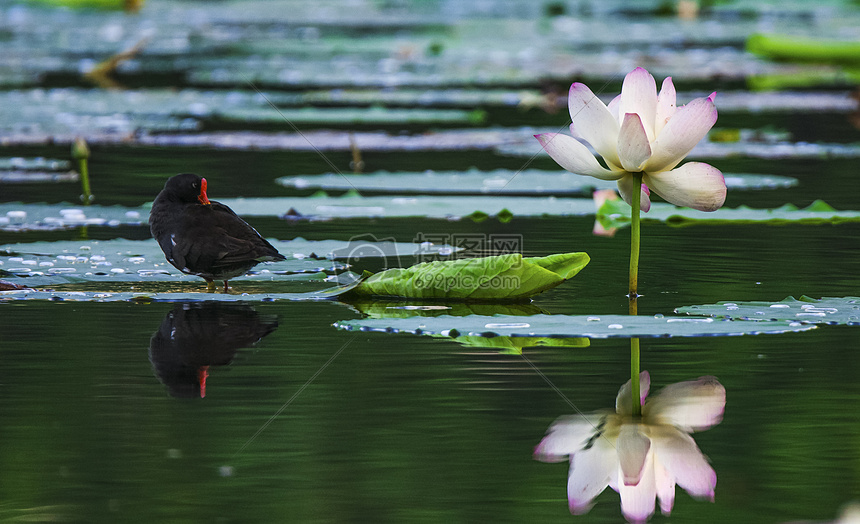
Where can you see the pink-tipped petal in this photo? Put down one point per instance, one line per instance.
(639, 95)
(678, 453)
(666, 101)
(566, 436)
(713, 96)
(693, 405)
(637, 502)
(574, 156)
(593, 121)
(665, 487)
(687, 127)
(633, 449)
(626, 188)
(589, 475)
(695, 184)
(633, 145)
(622, 400)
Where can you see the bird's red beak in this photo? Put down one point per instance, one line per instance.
(202, 198)
(202, 375)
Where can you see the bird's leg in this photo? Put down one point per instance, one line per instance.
(226, 287)
(210, 286)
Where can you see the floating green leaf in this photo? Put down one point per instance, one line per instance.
(568, 326)
(498, 181)
(616, 213)
(504, 277)
(827, 310)
(792, 48)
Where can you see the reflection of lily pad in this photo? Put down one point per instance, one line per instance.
(515, 345)
(499, 181)
(827, 310)
(502, 277)
(567, 326)
(412, 308)
(615, 213)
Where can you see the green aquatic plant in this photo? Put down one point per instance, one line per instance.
(507, 277)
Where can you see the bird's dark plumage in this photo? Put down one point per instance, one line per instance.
(204, 238)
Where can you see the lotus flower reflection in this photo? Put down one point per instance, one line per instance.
(639, 457)
(641, 131)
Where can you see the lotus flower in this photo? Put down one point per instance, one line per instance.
(640, 457)
(641, 131)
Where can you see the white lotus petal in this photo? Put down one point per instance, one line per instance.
(574, 156)
(691, 406)
(622, 400)
(639, 95)
(633, 449)
(593, 121)
(637, 502)
(678, 453)
(625, 189)
(666, 101)
(665, 487)
(566, 436)
(695, 184)
(681, 133)
(633, 146)
(613, 108)
(589, 475)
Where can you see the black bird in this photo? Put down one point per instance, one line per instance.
(196, 335)
(205, 238)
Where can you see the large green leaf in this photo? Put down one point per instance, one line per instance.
(818, 51)
(503, 277)
(498, 181)
(827, 310)
(616, 213)
(569, 326)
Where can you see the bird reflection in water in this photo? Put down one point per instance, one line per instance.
(641, 457)
(196, 335)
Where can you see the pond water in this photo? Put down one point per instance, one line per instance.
(103, 418)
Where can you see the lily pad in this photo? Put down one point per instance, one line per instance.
(827, 310)
(37, 177)
(570, 326)
(16, 216)
(507, 277)
(352, 116)
(120, 260)
(102, 296)
(498, 181)
(616, 213)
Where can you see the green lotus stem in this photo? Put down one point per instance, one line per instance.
(633, 295)
(81, 153)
